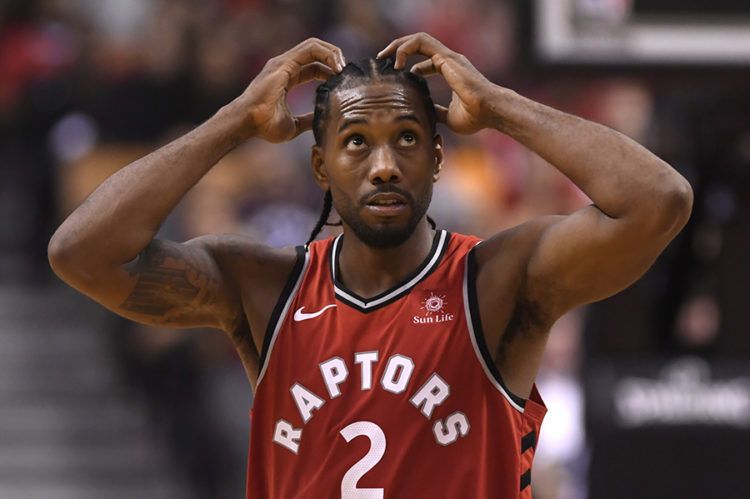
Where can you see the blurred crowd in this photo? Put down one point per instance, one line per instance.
(86, 86)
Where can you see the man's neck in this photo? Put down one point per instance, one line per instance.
(369, 271)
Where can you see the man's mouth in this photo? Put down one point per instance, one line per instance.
(386, 199)
(387, 203)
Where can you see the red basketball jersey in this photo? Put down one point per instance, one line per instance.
(390, 397)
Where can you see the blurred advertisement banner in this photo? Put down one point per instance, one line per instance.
(684, 393)
(669, 428)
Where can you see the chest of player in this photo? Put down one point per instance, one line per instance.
(424, 319)
(354, 391)
(426, 328)
(405, 360)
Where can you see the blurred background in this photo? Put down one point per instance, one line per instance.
(648, 391)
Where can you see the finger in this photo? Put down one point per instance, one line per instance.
(391, 47)
(424, 68)
(336, 50)
(302, 123)
(314, 50)
(339, 53)
(308, 72)
(419, 44)
(442, 113)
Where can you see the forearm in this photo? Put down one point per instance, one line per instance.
(621, 177)
(123, 214)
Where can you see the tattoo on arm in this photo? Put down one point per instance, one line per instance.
(170, 283)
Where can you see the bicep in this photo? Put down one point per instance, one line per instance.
(172, 284)
(588, 256)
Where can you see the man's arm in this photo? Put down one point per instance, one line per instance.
(532, 274)
(640, 204)
(106, 247)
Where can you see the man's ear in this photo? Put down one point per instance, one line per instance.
(437, 144)
(319, 167)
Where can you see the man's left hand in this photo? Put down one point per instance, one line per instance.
(469, 110)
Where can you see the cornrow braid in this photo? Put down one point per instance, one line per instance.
(323, 220)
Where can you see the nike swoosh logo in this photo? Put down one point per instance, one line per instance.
(299, 315)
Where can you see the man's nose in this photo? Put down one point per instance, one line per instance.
(383, 167)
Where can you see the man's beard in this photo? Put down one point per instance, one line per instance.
(386, 235)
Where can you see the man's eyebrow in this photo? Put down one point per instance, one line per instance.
(408, 117)
(351, 121)
(359, 121)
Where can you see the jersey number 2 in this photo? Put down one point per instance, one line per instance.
(349, 489)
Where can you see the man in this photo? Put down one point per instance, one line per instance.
(424, 343)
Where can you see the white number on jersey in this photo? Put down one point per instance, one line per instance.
(372, 431)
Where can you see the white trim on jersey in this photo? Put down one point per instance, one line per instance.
(282, 316)
(472, 335)
(374, 303)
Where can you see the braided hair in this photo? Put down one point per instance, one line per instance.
(352, 75)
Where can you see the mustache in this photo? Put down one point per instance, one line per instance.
(382, 189)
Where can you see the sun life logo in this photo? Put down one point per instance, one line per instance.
(434, 311)
(433, 303)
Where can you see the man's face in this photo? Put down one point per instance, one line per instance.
(380, 159)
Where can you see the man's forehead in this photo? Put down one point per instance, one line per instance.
(375, 96)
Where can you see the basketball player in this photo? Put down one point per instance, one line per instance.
(396, 360)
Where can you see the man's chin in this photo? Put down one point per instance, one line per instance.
(383, 236)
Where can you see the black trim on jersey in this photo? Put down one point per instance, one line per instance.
(338, 284)
(476, 321)
(281, 302)
(526, 479)
(528, 442)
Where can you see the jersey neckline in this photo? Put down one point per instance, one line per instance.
(428, 265)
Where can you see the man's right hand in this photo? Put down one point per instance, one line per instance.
(268, 115)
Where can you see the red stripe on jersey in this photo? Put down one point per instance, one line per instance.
(388, 397)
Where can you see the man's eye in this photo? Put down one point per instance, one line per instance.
(408, 139)
(355, 141)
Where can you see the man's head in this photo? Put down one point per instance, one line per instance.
(376, 151)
